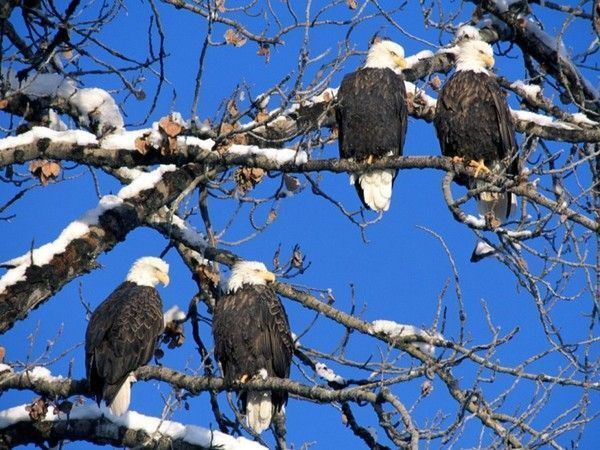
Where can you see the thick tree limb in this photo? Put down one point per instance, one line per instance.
(196, 384)
(100, 431)
(62, 388)
(122, 158)
(41, 282)
(554, 63)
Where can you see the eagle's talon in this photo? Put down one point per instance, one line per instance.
(244, 378)
(370, 159)
(479, 166)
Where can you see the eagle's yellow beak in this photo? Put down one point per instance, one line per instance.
(269, 277)
(400, 62)
(162, 277)
(489, 61)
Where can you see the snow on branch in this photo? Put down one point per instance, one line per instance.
(175, 227)
(528, 91)
(78, 228)
(420, 56)
(72, 137)
(280, 155)
(421, 105)
(547, 50)
(43, 255)
(75, 251)
(400, 330)
(154, 428)
(328, 375)
(173, 314)
(95, 107)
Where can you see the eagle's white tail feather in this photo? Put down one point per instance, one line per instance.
(259, 410)
(376, 186)
(120, 403)
(497, 203)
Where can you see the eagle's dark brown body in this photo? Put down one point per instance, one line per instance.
(473, 121)
(252, 333)
(371, 115)
(121, 336)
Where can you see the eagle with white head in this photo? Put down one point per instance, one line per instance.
(253, 339)
(122, 333)
(474, 124)
(372, 118)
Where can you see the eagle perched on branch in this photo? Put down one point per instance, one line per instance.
(474, 124)
(371, 116)
(123, 331)
(253, 340)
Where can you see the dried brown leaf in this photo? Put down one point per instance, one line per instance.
(207, 275)
(220, 4)
(169, 147)
(297, 258)
(3, 103)
(36, 165)
(240, 139)
(233, 37)
(2, 354)
(232, 108)
(44, 170)
(292, 183)
(351, 4)
(261, 116)
(264, 50)
(225, 128)
(435, 82)
(142, 145)
(51, 169)
(276, 260)
(272, 216)
(173, 335)
(169, 127)
(37, 410)
(248, 177)
(333, 134)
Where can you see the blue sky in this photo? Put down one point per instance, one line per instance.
(398, 275)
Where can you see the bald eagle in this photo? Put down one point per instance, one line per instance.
(473, 123)
(371, 116)
(253, 340)
(122, 333)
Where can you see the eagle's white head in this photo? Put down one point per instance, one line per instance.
(386, 54)
(474, 55)
(149, 271)
(248, 272)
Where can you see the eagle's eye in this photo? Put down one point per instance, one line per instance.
(481, 52)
